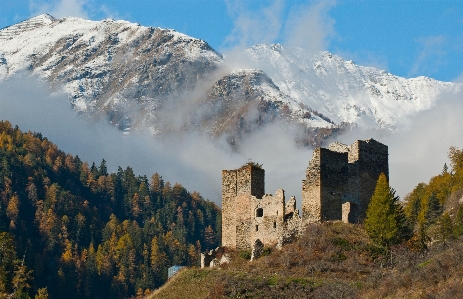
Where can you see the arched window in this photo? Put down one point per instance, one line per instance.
(257, 228)
(274, 224)
(259, 212)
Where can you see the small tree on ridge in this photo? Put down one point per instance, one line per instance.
(385, 219)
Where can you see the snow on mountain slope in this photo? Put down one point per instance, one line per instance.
(245, 98)
(131, 72)
(344, 91)
(167, 81)
(108, 64)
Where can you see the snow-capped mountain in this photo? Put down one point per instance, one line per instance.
(344, 91)
(166, 80)
(108, 65)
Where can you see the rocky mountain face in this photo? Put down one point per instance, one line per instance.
(111, 66)
(167, 81)
(344, 91)
(246, 99)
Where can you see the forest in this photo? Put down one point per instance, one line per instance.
(71, 229)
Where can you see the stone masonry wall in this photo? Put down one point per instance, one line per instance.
(333, 177)
(251, 180)
(367, 160)
(237, 188)
(268, 225)
(228, 208)
(372, 159)
(311, 190)
(243, 221)
(338, 185)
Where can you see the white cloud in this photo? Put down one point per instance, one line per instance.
(109, 13)
(254, 27)
(72, 8)
(430, 57)
(419, 152)
(307, 26)
(310, 27)
(194, 160)
(61, 8)
(458, 79)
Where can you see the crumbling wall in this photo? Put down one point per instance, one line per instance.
(243, 221)
(371, 158)
(237, 188)
(311, 192)
(333, 176)
(338, 185)
(229, 191)
(250, 180)
(324, 186)
(290, 208)
(367, 160)
(267, 216)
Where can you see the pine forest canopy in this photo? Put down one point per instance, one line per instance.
(87, 233)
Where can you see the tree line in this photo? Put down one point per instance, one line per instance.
(432, 212)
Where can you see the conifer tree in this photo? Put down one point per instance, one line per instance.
(434, 208)
(445, 228)
(385, 219)
(459, 222)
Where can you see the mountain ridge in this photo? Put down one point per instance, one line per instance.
(321, 82)
(129, 73)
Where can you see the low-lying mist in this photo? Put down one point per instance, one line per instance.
(195, 160)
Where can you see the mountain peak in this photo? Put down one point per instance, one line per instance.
(45, 16)
(37, 21)
(26, 25)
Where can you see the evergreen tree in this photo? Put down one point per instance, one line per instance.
(103, 170)
(87, 233)
(445, 169)
(385, 219)
(434, 208)
(458, 228)
(445, 227)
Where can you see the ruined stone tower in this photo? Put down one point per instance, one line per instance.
(338, 185)
(341, 180)
(249, 215)
(324, 186)
(238, 186)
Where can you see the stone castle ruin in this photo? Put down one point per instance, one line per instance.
(338, 185)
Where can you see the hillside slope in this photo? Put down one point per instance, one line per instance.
(332, 261)
(87, 233)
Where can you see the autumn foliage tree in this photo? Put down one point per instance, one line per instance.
(83, 232)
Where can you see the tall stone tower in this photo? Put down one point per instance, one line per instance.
(367, 160)
(324, 186)
(340, 180)
(238, 186)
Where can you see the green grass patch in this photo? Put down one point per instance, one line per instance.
(245, 254)
(425, 263)
(341, 242)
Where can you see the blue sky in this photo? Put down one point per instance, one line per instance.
(407, 38)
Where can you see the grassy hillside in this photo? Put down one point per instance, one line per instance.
(332, 260)
(338, 260)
